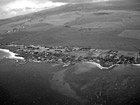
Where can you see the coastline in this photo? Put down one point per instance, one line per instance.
(99, 66)
(11, 54)
(136, 65)
(107, 68)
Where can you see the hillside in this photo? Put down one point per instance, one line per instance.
(99, 25)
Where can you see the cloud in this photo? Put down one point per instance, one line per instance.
(9, 8)
(72, 1)
(19, 7)
(78, 1)
(23, 4)
(100, 0)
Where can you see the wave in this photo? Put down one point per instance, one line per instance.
(101, 67)
(11, 55)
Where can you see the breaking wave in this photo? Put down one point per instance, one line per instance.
(5, 53)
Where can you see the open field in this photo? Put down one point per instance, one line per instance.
(96, 38)
(135, 34)
(98, 29)
(100, 25)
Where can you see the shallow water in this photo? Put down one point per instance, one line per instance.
(29, 84)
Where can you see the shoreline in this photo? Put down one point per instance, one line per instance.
(107, 68)
(99, 66)
(136, 65)
(11, 55)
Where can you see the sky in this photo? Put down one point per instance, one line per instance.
(10, 8)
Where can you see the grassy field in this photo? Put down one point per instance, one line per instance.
(95, 25)
(135, 34)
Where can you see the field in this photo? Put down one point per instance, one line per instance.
(103, 29)
(135, 34)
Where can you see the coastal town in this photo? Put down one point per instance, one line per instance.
(66, 55)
